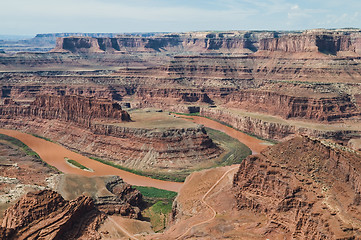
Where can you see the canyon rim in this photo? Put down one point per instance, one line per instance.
(224, 134)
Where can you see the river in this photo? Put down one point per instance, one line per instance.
(55, 154)
(255, 144)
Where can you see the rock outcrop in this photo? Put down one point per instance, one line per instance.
(286, 106)
(92, 126)
(274, 129)
(137, 148)
(307, 188)
(235, 41)
(327, 42)
(77, 109)
(126, 201)
(309, 76)
(47, 215)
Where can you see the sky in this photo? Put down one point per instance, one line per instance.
(29, 17)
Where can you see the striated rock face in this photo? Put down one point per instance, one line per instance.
(238, 41)
(47, 215)
(32, 91)
(156, 97)
(329, 42)
(324, 42)
(130, 147)
(118, 44)
(77, 109)
(275, 129)
(91, 126)
(286, 106)
(307, 188)
(126, 201)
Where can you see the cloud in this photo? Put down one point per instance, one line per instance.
(36, 16)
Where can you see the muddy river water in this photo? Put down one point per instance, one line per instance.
(255, 144)
(55, 154)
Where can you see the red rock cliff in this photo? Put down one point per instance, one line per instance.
(324, 42)
(307, 188)
(77, 109)
(47, 215)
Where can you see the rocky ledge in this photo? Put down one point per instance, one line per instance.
(307, 189)
(77, 109)
(47, 215)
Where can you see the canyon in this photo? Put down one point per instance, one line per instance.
(93, 126)
(303, 188)
(143, 102)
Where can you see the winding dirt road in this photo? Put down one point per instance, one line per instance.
(55, 155)
(214, 212)
(130, 236)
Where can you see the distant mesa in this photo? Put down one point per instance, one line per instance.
(323, 41)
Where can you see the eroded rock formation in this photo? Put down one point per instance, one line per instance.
(126, 201)
(47, 215)
(329, 42)
(91, 125)
(307, 188)
(314, 41)
(77, 109)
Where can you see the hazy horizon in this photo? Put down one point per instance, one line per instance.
(21, 17)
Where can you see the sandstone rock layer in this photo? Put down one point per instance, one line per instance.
(307, 188)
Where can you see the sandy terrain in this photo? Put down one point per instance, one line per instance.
(157, 120)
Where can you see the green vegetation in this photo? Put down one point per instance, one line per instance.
(235, 150)
(187, 114)
(25, 148)
(45, 138)
(173, 177)
(76, 164)
(19, 144)
(159, 206)
(151, 192)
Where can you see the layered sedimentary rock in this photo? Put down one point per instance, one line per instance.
(139, 148)
(310, 76)
(329, 42)
(238, 41)
(321, 102)
(314, 41)
(307, 188)
(317, 108)
(286, 106)
(126, 201)
(77, 109)
(47, 215)
(91, 126)
(270, 127)
(30, 91)
(173, 96)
